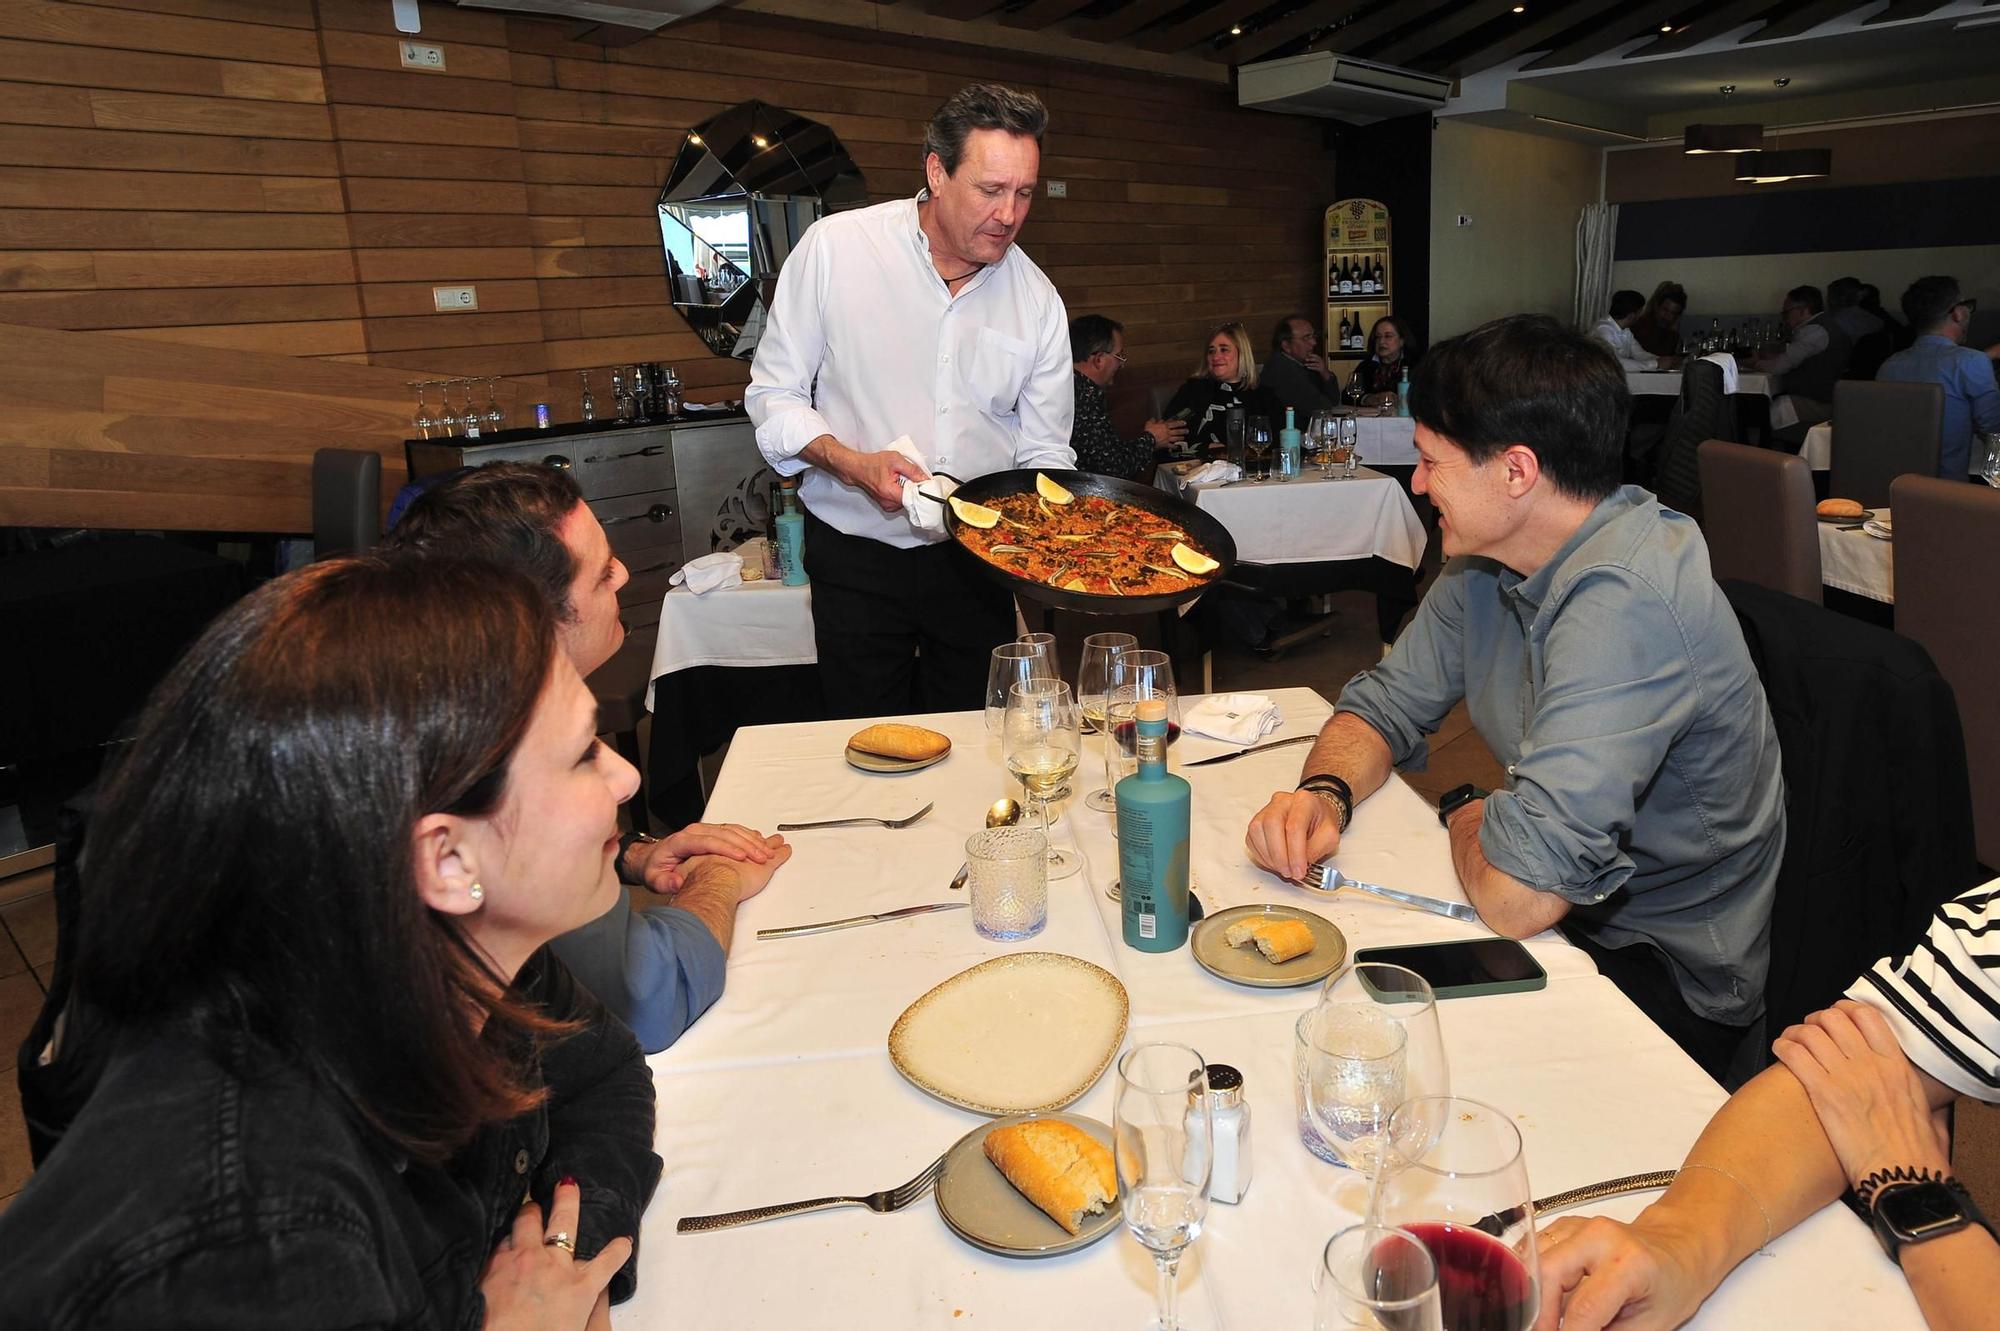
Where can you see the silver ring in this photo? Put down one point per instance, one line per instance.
(562, 1240)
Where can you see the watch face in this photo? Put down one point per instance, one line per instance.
(1919, 1210)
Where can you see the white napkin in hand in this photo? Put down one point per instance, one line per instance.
(719, 571)
(1210, 473)
(925, 515)
(1728, 364)
(1240, 718)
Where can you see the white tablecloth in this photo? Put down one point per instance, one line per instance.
(1856, 562)
(1817, 449)
(1667, 383)
(757, 624)
(784, 1089)
(1312, 519)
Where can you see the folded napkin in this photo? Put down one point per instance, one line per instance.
(1211, 473)
(719, 571)
(924, 515)
(1240, 718)
(1728, 364)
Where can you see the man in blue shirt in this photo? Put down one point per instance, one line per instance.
(1940, 313)
(1579, 621)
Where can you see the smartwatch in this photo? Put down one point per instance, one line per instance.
(1913, 1208)
(1455, 799)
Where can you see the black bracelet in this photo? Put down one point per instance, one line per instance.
(625, 843)
(1325, 783)
(1865, 1190)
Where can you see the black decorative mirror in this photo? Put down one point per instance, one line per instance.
(744, 187)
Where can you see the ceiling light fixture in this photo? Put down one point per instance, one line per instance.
(1236, 30)
(1666, 27)
(1773, 166)
(1722, 138)
(1520, 9)
(760, 140)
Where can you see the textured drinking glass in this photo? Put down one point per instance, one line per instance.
(1399, 995)
(1098, 675)
(1008, 876)
(1355, 1072)
(1161, 1139)
(1375, 1278)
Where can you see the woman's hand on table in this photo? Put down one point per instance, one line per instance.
(1296, 830)
(1599, 1273)
(1871, 1100)
(533, 1284)
(662, 865)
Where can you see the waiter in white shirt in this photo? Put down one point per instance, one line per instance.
(1614, 330)
(916, 317)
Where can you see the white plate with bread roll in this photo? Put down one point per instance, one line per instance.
(895, 747)
(1268, 947)
(1032, 1185)
(1025, 1033)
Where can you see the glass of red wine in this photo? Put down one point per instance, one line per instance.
(1374, 1278)
(1453, 1175)
(1142, 673)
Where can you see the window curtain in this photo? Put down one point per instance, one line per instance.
(1596, 233)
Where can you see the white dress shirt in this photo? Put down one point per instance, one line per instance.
(865, 343)
(1623, 345)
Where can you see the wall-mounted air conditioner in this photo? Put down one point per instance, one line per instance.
(1338, 87)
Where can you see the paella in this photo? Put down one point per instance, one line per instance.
(1083, 543)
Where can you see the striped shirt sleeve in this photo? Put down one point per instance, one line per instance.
(1943, 998)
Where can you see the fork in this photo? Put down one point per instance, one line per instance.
(883, 1202)
(857, 822)
(1326, 878)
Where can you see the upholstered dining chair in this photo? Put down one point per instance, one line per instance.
(1701, 412)
(1757, 513)
(1882, 431)
(346, 501)
(1948, 599)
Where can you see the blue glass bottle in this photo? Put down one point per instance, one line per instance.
(1153, 821)
(1403, 393)
(1290, 447)
(791, 526)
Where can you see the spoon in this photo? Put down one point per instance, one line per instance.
(1004, 813)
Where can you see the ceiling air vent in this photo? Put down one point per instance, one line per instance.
(1338, 87)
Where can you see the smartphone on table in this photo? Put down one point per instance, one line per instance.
(1468, 967)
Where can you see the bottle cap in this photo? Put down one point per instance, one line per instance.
(1225, 1086)
(1150, 709)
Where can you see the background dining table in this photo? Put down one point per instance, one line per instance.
(1853, 559)
(785, 1088)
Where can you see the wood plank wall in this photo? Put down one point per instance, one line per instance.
(263, 180)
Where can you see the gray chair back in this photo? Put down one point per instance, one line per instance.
(346, 501)
(1882, 431)
(1757, 513)
(1159, 394)
(1701, 412)
(1947, 546)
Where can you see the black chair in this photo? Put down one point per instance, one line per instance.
(1882, 431)
(346, 501)
(620, 686)
(1878, 806)
(1698, 414)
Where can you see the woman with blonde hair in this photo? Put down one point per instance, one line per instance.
(1225, 379)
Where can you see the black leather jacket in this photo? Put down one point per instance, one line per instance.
(192, 1193)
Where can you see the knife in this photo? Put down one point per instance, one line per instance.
(856, 921)
(1255, 748)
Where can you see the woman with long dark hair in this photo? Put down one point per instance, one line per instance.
(333, 1056)
(1392, 353)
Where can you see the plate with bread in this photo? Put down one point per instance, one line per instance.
(1842, 510)
(1268, 947)
(895, 747)
(1032, 1185)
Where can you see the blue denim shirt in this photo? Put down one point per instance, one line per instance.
(1971, 398)
(656, 969)
(1643, 771)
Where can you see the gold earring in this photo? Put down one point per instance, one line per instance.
(477, 893)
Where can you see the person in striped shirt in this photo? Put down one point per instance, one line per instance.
(1857, 1100)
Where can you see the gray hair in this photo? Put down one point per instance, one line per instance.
(982, 106)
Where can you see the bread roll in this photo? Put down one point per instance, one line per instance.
(1839, 508)
(900, 741)
(1057, 1166)
(1278, 939)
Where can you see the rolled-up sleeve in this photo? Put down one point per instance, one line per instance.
(1406, 697)
(1618, 687)
(656, 969)
(1048, 400)
(779, 398)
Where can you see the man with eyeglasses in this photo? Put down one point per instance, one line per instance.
(1097, 353)
(1810, 363)
(1940, 313)
(1296, 376)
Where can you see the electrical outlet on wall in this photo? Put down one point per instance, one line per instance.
(1058, 189)
(1465, 219)
(418, 55)
(453, 299)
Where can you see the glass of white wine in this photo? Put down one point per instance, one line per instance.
(1042, 739)
(1097, 678)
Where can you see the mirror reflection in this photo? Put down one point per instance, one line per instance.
(744, 187)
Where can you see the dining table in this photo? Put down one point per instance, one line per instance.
(786, 1089)
(1859, 556)
(1667, 383)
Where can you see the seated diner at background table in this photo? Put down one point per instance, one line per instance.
(337, 1079)
(1227, 379)
(1857, 1100)
(1805, 369)
(1614, 330)
(1940, 312)
(1579, 622)
(1391, 353)
(1295, 375)
(1097, 354)
(660, 968)
(1659, 325)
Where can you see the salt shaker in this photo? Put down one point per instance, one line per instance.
(1229, 1117)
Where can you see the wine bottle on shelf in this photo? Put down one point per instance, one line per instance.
(1346, 277)
(1357, 339)
(1381, 278)
(1153, 824)
(1332, 279)
(1346, 333)
(1367, 278)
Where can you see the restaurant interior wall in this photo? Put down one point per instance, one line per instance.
(1517, 255)
(1944, 158)
(1389, 161)
(263, 181)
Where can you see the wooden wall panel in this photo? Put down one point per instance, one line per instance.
(247, 194)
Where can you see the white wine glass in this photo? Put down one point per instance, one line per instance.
(1351, 1086)
(1097, 677)
(1350, 444)
(1012, 662)
(1162, 1142)
(1042, 740)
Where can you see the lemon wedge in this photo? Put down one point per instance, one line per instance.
(1052, 492)
(974, 515)
(1193, 560)
(1075, 585)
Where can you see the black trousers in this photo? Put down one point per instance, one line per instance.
(1642, 972)
(876, 607)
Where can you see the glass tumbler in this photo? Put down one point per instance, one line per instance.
(1007, 875)
(1375, 1278)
